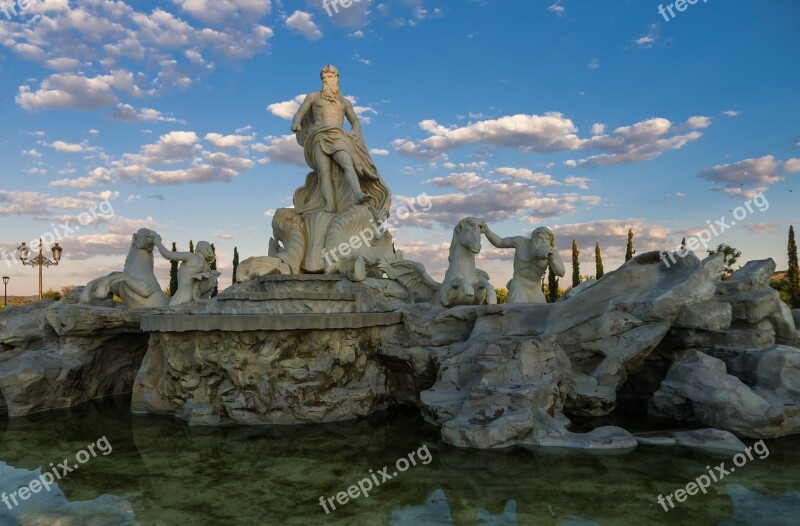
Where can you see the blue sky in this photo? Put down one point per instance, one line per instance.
(588, 117)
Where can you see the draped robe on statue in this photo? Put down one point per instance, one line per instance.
(309, 201)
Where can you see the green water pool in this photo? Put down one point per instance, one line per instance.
(163, 472)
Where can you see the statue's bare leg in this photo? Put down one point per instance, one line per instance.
(346, 162)
(324, 172)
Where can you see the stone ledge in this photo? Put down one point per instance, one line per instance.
(301, 277)
(260, 322)
(294, 295)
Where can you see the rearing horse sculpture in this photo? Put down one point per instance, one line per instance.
(136, 284)
(464, 284)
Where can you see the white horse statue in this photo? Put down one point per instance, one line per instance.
(136, 284)
(464, 284)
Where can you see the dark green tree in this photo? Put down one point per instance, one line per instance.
(730, 259)
(173, 273)
(629, 251)
(683, 245)
(552, 279)
(235, 262)
(576, 265)
(793, 274)
(213, 266)
(598, 262)
(191, 246)
(782, 286)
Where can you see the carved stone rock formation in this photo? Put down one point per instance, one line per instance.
(320, 348)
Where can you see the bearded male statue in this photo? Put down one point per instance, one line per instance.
(344, 174)
(531, 259)
(343, 196)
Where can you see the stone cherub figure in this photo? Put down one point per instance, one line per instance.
(531, 259)
(340, 159)
(196, 280)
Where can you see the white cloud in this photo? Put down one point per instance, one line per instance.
(744, 178)
(540, 133)
(224, 142)
(792, 166)
(648, 40)
(553, 132)
(524, 174)
(127, 113)
(97, 177)
(698, 122)
(96, 35)
(557, 9)
(70, 91)
(66, 147)
(215, 12)
(219, 234)
(303, 23)
(379, 151)
(513, 196)
(580, 182)
(283, 149)
(460, 181)
(286, 109)
(642, 141)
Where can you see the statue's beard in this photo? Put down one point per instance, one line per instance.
(540, 249)
(331, 92)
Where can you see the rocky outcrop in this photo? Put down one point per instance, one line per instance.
(660, 331)
(752, 393)
(710, 440)
(61, 354)
(262, 377)
(736, 378)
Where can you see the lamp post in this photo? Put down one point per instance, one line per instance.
(39, 260)
(5, 290)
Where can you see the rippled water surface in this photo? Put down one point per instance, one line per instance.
(162, 472)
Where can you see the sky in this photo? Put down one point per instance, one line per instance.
(591, 118)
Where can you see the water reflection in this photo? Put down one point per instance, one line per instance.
(170, 474)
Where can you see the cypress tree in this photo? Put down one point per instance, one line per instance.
(552, 280)
(598, 261)
(629, 252)
(173, 273)
(793, 274)
(683, 245)
(235, 262)
(576, 266)
(213, 266)
(191, 246)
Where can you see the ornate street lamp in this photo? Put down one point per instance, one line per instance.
(5, 290)
(39, 261)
